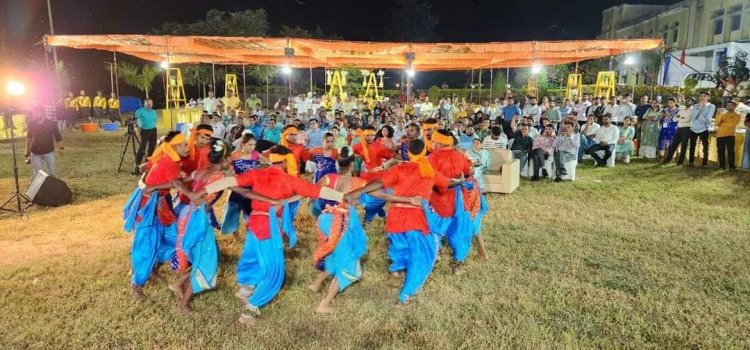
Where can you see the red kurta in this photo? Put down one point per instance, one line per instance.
(200, 161)
(405, 181)
(452, 164)
(378, 154)
(272, 182)
(163, 171)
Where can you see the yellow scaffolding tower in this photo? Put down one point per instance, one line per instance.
(574, 86)
(230, 84)
(532, 88)
(175, 88)
(371, 85)
(605, 84)
(336, 80)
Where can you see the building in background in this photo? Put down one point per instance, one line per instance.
(707, 30)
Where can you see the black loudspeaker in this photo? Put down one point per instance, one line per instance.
(49, 191)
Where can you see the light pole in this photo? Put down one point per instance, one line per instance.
(630, 61)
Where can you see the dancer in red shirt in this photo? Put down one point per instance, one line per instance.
(412, 246)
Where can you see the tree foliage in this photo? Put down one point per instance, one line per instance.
(412, 20)
(139, 78)
(221, 23)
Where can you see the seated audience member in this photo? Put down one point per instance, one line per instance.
(543, 147)
(522, 145)
(466, 139)
(605, 140)
(496, 140)
(588, 132)
(480, 159)
(566, 148)
(624, 147)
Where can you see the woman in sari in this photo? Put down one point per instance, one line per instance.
(649, 141)
(624, 147)
(325, 163)
(243, 160)
(670, 117)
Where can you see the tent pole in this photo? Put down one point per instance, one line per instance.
(244, 87)
(492, 80)
(480, 86)
(117, 81)
(213, 74)
(311, 84)
(267, 103)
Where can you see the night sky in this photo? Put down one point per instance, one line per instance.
(24, 22)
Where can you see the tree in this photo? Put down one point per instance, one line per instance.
(412, 20)
(590, 69)
(221, 23)
(141, 79)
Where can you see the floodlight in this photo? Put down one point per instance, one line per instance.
(286, 70)
(164, 65)
(536, 69)
(410, 72)
(15, 88)
(629, 61)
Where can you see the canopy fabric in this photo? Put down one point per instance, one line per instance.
(315, 53)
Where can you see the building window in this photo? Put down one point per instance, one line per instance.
(674, 35)
(718, 26)
(664, 37)
(735, 13)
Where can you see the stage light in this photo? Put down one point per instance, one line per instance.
(286, 70)
(164, 65)
(410, 72)
(15, 88)
(536, 69)
(629, 61)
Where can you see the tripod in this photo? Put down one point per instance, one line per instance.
(133, 142)
(17, 196)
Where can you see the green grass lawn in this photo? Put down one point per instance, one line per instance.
(639, 256)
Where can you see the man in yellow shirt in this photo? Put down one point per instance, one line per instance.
(100, 106)
(84, 106)
(230, 102)
(725, 125)
(71, 110)
(113, 108)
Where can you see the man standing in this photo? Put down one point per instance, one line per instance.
(41, 136)
(605, 140)
(532, 110)
(624, 109)
(146, 118)
(699, 127)
(100, 106)
(230, 102)
(210, 103)
(510, 111)
(682, 135)
(581, 108)
(610, 109)
(84, 106)
(725, 124)
(252, 102)
(554, 115)
(113, 108)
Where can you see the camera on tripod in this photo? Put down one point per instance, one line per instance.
(130, 124)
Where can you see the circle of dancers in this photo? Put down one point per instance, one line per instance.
(425, 182)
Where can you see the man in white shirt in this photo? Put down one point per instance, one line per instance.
(210, 103)
(582, 108)
(496, 139)
(624, 109)
(426, 108)
(610, 107)
(219, 128)
(533, 110)
(604, 140)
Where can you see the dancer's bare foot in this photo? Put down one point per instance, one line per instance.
(249, 320)
(236, 237)
(404, 305)
(137, 293)
(157, 276)
(324, 309)
(314, 287)
(185, 309)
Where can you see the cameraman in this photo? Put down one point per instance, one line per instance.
(146, 118)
